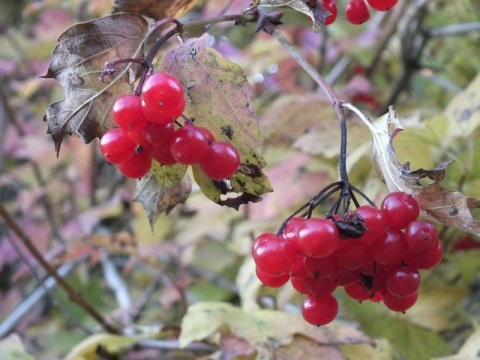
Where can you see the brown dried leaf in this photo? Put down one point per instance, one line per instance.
(450, 208)
(313, 9)
(157, 9)
(78, 60)
(157, 198)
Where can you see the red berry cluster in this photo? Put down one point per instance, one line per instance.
(380, 263)
(146, 131)
(356, 11)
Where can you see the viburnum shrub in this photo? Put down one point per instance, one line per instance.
(373, 253)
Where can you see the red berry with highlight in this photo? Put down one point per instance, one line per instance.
(319, 310)
(331, 6)
(189, 145)
(357, 12)
(382, 5)
(221, 161)
(318, 237)
(163, 98)
(137, 166)
(116, 146)
(399, 209)
(127, 113)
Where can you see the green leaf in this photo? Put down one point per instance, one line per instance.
(156, 197)
(260, 328)
(411, 341)
(464, 111)
(221, 100)
(78, 61)
(168, 175)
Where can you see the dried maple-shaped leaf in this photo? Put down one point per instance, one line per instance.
(78, 60)
(221, 100)
(157, 198)
(313, 9)
(451, 208)
(157, 9)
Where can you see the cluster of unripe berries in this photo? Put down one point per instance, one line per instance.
(147, 129)
(356, 11)
(379, 263)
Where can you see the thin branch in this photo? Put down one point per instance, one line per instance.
(452, 30)
(24, 308)
(73, 295)
(309, 69)
(45, 200)
(115, 281)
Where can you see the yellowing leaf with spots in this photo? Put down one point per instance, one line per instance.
(221, 99)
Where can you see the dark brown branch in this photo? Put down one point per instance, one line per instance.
(73, 295)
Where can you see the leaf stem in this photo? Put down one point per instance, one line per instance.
(71, 292)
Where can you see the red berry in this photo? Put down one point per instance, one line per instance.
(392, 250)
(320, 267)
(352, 256)
(375, 224)
(137, 166)
(158, 134)
(331, 7)
(399, 209)
(358, 291)
(318, 237)
(344, 277)
(162, 155)
(466, 242)
(273, 281)
(319, 310)
(319, 287)
(116, 146)
(141, 144)
(221, 161)
(382, 5)
(290, 232)
(189, 145)
(298, 283)
(357, 12)
(403, 281)
(420, 236)
(163, 98)
(127, 113)
(396, 303)
(377, 297)
(272, 254)
(298, 267)
(426, 259)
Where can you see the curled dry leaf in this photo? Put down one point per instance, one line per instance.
(451, 208)
(313, 9)
(78, 61)
(157, 9)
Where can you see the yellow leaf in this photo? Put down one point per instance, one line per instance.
(87, 349)
(464, 110)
